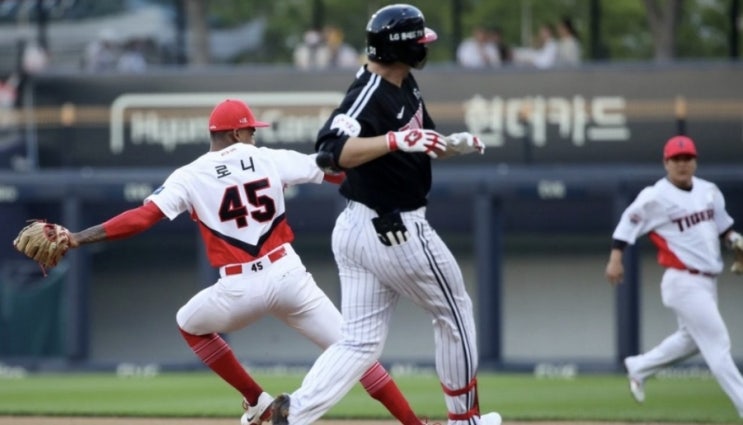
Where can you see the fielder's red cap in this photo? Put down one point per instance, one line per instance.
(233, 114)
(679, 145)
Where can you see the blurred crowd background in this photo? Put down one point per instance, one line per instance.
(132, 35)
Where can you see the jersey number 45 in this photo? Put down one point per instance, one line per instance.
(262, 207)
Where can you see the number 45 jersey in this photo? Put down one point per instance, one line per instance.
(236, 196)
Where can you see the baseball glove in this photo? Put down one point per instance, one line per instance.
(736, 244)
(45, 243)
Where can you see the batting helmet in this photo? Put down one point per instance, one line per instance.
(232, 114)
(398, 33)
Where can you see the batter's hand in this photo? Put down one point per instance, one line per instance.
(429, 142)
(390, 229)
(464, 143)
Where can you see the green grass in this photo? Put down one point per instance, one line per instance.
(517, 397)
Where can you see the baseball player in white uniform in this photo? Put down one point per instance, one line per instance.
(686, 219)
(235, 194)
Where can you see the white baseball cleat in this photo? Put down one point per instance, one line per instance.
(636, 385)
(637, 389)
(492, 418)
(255, 415)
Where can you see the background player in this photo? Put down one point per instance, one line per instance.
(686, 218)
(234, 193)
(383, 136)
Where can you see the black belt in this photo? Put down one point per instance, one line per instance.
(695, 271)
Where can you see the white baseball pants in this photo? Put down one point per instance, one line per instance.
(693, 298)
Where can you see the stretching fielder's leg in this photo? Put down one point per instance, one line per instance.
(695, 303)
(199, 323)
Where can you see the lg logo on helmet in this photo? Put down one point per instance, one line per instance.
(404, 36)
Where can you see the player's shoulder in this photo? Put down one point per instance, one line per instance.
(279, 155)
(364, 95)
(698, 181)
(651, 193)
(706, 188)
(366, 84)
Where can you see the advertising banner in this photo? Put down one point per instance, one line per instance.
(592, 115)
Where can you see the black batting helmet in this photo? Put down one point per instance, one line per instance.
(398, 33)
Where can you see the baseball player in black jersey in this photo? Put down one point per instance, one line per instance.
(384, 139)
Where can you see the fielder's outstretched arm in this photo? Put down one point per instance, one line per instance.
(124, 225)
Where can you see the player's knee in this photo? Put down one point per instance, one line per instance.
(370, 349)
(720, 362)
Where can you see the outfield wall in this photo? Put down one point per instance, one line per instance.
(540, 298)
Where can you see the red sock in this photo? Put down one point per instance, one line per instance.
(379, 384)
(215, 353)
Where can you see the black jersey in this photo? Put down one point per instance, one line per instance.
(395, 181)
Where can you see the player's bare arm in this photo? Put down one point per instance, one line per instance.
(128, 223)
(615, 268)
(360, 150)
(90, 235)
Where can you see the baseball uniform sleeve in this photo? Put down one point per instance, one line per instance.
(722, 218)
(640, 217)
(172, 197)
(295, 167)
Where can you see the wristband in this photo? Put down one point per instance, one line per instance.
(391, 141)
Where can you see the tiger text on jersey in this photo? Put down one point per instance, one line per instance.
(693, 219)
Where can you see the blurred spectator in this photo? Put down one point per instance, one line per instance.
(545, 54)
(326, 49)
(479, 50)
(132, 58)
(341, 54)
(504, 50)
(312, 52)
(8, 94)
(35, 57)
(102, 54)
(568, 45)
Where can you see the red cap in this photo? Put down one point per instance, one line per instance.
(233, 114)
(679, 145)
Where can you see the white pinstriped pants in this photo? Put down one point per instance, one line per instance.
(373, 276)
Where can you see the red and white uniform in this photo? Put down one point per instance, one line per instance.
(685, 226)
(236, 196)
